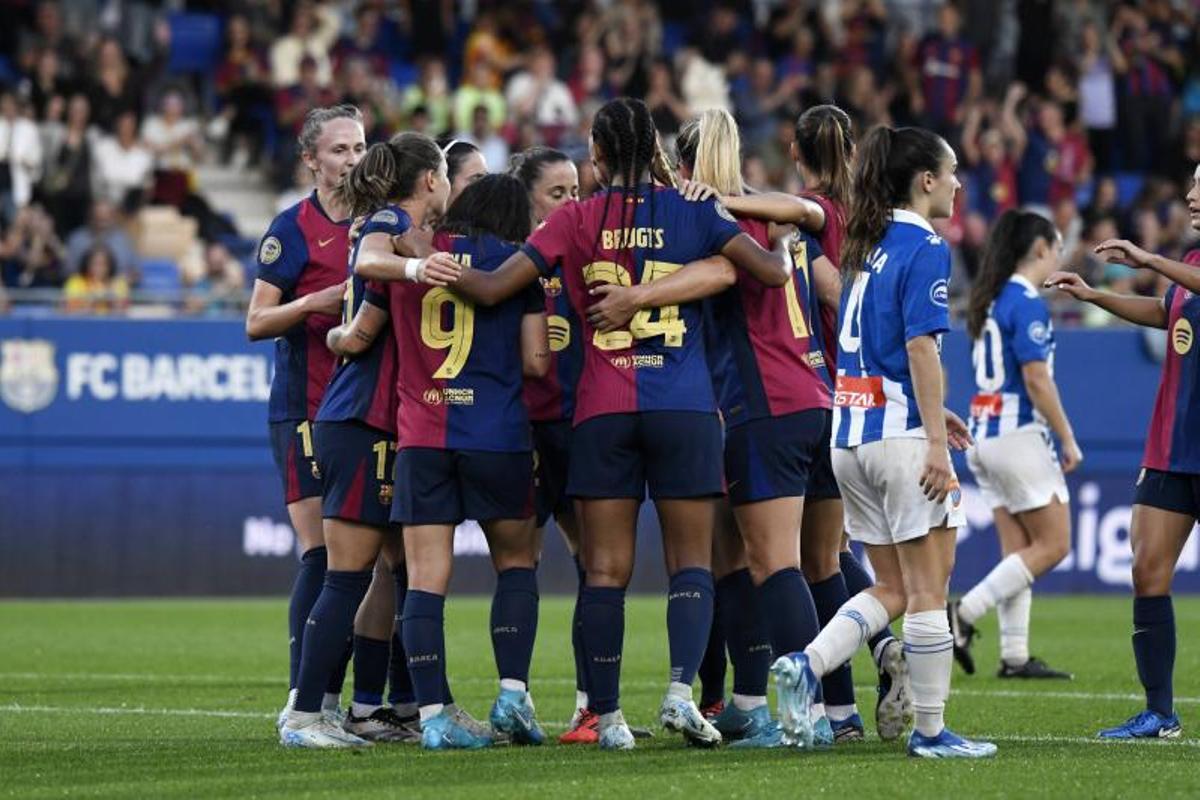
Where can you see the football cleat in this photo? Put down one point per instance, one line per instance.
(947, 744)
(1145, 725)
(1033, 668)
(734, 723)
(641, 733)
(713, 710)
(283, 713)
(584, 728)
(850, 729)
(796, 687)
(764, 733)
(963, 633)
(822, 732)
(334, 715)
(614, 734)
(316, 732)
(681, 715)
(513, 714)
(449, 731)
(384, 725)
(467, 721)
(893, 707)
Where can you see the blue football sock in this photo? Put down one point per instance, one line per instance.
(329, 626)
(337, 678)
(310, 577)
(689, 619)
(400, 688)
(514, 622)
(577, 631)
(603, 617)
(1154, 650)
(746, 631)
(857, 580)
(828, 596)
(713, 664)
(370, 669)
(792, 617)
(425, 643)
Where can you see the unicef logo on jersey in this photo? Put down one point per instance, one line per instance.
(1039, 332)
(28, 374)
(939, 293)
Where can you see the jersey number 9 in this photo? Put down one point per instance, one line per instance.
(643, 325)
(457, 338)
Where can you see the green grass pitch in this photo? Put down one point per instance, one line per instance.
(158, 699)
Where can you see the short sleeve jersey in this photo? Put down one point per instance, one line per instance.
(1173, 441)
(900, 293)
(364, 387)
(459, 367)
(303, 251)
(1017, 331)
(551, 397)
(831, 246)
(764, 346)
(658, 362)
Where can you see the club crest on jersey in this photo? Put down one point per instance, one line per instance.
(386, 217)
(551, 286)
(939, 293)
(1182, 336)
(1039, 332)
(270, 251)
(560, 333)
(28, 374)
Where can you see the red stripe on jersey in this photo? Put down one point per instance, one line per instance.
(293, 480)
(1166, 408)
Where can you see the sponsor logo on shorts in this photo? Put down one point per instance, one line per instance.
(955, 496)
(1182, 336)
(637, 361)
(939, 293)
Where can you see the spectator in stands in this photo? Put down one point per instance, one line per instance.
(20, 156)
(221, 288)
(431, 92)
(31, 252)
(175, 141)
(990, 168)
(360, 87)
(479, 89)
(1098, 63)
(46, 81)
(314, 28)
(66, 186)
(759, 99)
(104, 229)
(124, 165)
(487, 44)
(48, 34)
(113, 87)
(666, 106)
(96, 288)
(702, 83)
(948, 75)
(242, 83)
(365, 42)
(492, 146)
(538, 95)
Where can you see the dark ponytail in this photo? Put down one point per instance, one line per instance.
(887, 162)
(624, 132)
(388, 171)
(1007, 246)
(825, 141)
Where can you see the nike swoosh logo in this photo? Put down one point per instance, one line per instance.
(322, 243)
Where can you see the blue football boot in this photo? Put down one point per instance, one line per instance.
(797, 689)
(446, 731)
(948, 744)
(1145, 725)
(850, 729)
(512, 714)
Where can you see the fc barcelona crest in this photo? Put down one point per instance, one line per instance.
(28, 374)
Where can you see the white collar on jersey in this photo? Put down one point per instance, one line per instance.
(912, 218)
(1030, 289)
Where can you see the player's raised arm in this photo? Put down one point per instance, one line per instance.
(1148, 311)
(695, 281)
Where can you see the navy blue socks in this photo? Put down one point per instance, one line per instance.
(581, 683)
(828, 596)
(370, 669)
(792, 617)
(329, 627)
(310, 577)
(689, 619)
(425, 643)
(1154, 650)
(603, 616)
(746, 633)
(514, 622)
(400, 688)
(713, 664)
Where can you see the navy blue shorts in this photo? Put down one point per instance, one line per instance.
(551, 459)
(445, 487)
(677, 454)
(356, 463)
(822, 484)
(292, 449)
(1170, 491)
(774, 457)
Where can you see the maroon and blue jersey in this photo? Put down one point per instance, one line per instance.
(764, 346)
(945, 66)
(551, 398)
(658, 362)
(458, 366)
(830, 238)
(364, 387)
(1173, 442)
(304, 251)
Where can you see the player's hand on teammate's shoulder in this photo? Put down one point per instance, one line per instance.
(695, 191)
(614, 309)
(1125, 252)
(1072, 283)
(328, 300)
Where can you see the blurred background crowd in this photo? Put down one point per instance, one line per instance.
(145, 146)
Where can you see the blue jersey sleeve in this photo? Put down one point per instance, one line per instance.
(391, 221)
(926, 290)
(1031, 337)
(283, 253)
(716, 225)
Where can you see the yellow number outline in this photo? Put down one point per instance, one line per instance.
(669, 325)
(381, 450)
(305, 431)
(457, 339)
(800, 326)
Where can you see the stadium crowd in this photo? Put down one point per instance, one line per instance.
(1086, 110)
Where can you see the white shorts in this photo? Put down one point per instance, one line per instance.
(1018, 471)
(881, 492)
